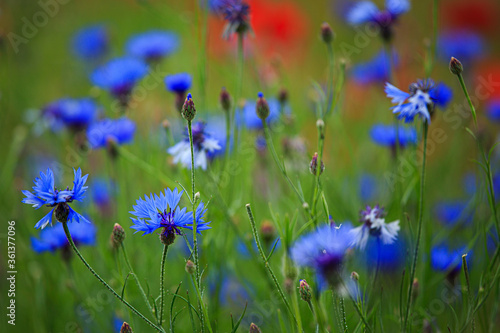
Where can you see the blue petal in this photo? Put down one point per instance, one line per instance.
(362, 12)
(441, 94)
(73, 216)
(45, 220)
(398, 96)
(397, 7)
(32, 199)
(78, 188)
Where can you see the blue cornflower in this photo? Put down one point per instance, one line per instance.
(423, 96)
(163, 211)
(377, 69)
(385, 135)
(452, 212)
(493, 110)
(236, 13)
(387, 257)
(373, 220)
(119, 131)
(102, 192)
(153, 45)
(367, 12)
(178, 83)
(323, 250)
(204, 146)
(448, 260)
(54, 238)
(119, 76)
(45, 193)
(76, 114)
(248, 117)
(91, 43)
(461, 44)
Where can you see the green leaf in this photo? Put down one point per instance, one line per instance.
(239, 320)
(124, 285)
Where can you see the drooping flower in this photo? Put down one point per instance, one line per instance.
(493, 109)
(421, 100)
(204, 145)
(374, 225)
(377, 69)
(237, 15)
(451, 213)
(45, 193)
(120, 131)
(75, 114)
(323, 250)
(367, 12)
(54, 238)
(163, 211)
(248, 117)
(91, 43)
(153, 45)
(462, 44)
(385, 135)
(119, 76)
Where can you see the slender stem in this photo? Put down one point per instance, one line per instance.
(137, 280)
(419, 232)
(331, 68)
(134, 310)
(266, 263)
(342, 312)
(162, 282)
(239, 83)
(202, 305)
(321, 141)
(469, 292)
(472, 108)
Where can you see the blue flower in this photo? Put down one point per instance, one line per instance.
(153, 45)
(178, 83)
(367, 187)
(91, 42)
(461, 44)
(377, 69)
(101, 192)
(204, 147)
(121, 131)
(374, 225)
(73, 113)
(54, 238)
(388, 257)
(452, 212)
(248, 117)
(45, 193)
(236, 13)
(119, 76)
(367, 12)
(323, 250)
(163, 211)
(447, 260)
(421, 99)
(385, 135)
(493, 110)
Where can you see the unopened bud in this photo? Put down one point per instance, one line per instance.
(126, 328)
(416, 287)
(225, 100)
(355, 276)
(197, 197)
(188, 110)
(254, 328)
(190, 267)
(166, 124)
(304, 291)
(305, 205)
(118, 234)
(267, 231)
(456, 66)
(262, 107)
(313, 166)
(283, 96)
(320, 124)
(326, 33)
(62, 212)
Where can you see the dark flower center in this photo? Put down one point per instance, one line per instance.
(167, 222)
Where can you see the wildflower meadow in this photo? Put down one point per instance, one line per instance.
(250, 166)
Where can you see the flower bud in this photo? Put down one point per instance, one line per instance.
(188, 110)
(416, 287)
(190, 267)
(305, 205)
(320, 124)
(268, 232)
(167, 238)
(283, 96)
(196, 197)
(326, 33)
(313, 166)
(166, 124)
(225, 100)
(262, 107)
(118, 234)
(126, 328)
(355, 276)
(456, 66)
(304, 291)
(62, 212)
(254, 328)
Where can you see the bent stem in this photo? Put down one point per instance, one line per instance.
(266, 263)
(419, 232)
(162, 278)
(134, 310)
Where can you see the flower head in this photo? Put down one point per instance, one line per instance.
(45, 193)
(76, 114)
(54, 238)
(462, 44)
(119, 76)
(91, 43)
(120, 130)
(374, 225)
(451, 213)
(248, 117)
(163, 211)
(178, 83)
(204, 146)
(153, 45)
(323, 250)
(423, 96)
(367, 12)
(374, 70)
(236, 13)
(385, 135)
(447, 260)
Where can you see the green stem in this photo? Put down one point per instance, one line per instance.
(419, 232)
(342, 312)
(266, 263)
(137, 280)
(239, 84)
(162, 282)
(331, 68)
(134, 310)
(472, 108)
(469, 292)
(321, 141)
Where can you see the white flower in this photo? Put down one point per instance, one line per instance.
(374, 224)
